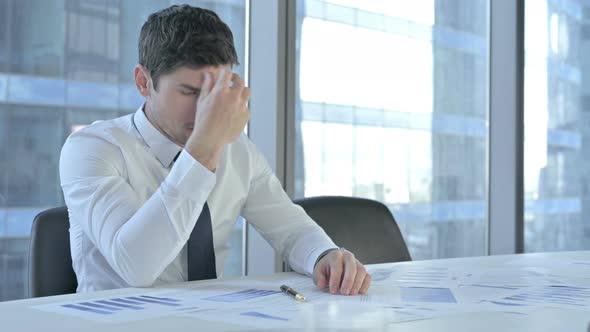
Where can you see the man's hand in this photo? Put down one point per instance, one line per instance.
(221, 116)
(341, 271)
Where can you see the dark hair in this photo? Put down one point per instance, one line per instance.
(184, 36)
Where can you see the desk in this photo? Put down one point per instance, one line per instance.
(20, 316)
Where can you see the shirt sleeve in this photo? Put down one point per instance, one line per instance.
(290, 231)
(138, 239)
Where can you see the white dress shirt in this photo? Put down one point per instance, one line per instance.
(132, 208)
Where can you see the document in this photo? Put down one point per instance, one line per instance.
(399, 292)
(380, 274)
(240, 296)
(124, 308)
(162, 303)
(549, 296)
(509, 277)
(427, 294)
(425, 276)
(475, 293)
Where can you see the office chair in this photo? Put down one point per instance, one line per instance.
(364, 227)
(50, 261)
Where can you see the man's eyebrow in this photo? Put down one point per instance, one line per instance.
(189, 87)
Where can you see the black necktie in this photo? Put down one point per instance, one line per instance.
(200, 252)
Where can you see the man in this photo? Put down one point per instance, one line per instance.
(153, 196)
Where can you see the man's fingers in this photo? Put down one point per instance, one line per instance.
(220, 82)
(321, 281)
(349, 273)
(238, 82)
(206, 84)
(225, 77)
(336, 268)
(366, 284)
(246, 93)
(361, 273)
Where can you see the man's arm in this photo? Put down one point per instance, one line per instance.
(140, 239)
(137, 239)
(291, 232)
(296, 237)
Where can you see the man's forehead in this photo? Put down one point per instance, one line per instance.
(192, 75)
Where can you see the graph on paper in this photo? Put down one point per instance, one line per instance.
(241, 295)
(121, 304)
(127, 308)
(427, 294)
(552, 296)
(425, 276)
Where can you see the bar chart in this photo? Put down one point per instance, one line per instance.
(118, 304)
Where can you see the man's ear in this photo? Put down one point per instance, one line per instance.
(143, 80)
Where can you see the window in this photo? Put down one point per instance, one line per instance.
(557, 131)
(63, 65)
(392, 105)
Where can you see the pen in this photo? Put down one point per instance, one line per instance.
(292, 292)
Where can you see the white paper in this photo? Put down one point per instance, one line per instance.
(118, 309)
(548, 296)
(399, 292)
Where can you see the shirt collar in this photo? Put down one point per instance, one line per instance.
(161, 146)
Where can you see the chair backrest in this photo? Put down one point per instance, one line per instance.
(363, 226)
(50, 261)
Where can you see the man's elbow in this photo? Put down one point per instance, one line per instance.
(134, 274)
(140, 279)
(140, 282)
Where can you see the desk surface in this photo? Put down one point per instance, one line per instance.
(21, 316)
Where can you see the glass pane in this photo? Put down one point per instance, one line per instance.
(557, 126)
(63, 65)
(392, 106)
